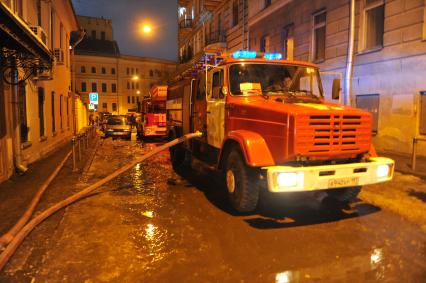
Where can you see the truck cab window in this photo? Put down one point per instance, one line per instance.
(217, 83)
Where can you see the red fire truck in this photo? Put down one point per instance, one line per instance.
(153, 120)
(266, 125)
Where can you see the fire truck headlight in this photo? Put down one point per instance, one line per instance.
(290, 179)
(383, 171)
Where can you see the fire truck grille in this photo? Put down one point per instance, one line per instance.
(334, 133)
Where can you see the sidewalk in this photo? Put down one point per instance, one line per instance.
(17, 192)
(403, 163)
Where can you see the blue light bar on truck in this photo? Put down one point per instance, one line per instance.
(243, 54)
(273, 56)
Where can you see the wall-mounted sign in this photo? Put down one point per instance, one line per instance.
(94, 98)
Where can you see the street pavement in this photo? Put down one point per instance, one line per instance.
(153, 225)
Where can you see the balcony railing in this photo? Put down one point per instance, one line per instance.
(185, 23)
(215, 37)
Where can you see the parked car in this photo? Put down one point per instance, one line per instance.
(118, 126)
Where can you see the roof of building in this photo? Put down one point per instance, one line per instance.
(90, 46)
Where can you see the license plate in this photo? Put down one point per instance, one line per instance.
(343, 182)
(117, 133)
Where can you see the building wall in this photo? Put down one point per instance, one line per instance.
(98, 62)
(394, 71)
(98, 25)
(57, 30)
(133, 77)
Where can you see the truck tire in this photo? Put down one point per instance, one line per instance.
(344, 194)
(241, 183)
(180, 157)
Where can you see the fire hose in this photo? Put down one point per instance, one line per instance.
(21, 235)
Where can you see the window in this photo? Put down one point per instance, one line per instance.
(52, 28)
(60, 110)
(83, 87)
(114, 106)
(113, 88)
(103, 70)
(82, 69)
(217, 83)
(422, 129)
(318, 38)
(137, 85)
(93, 70)
(235, 13)
(53, 111)
(137, 71)
(288, 42)
(374, 20)
(151, 73)
(133, 99)
(94, 87)
(41, 111)
(113, 71)
(128, 99)
(2, 113)
(68, 112)
(61, 34)
(22, 102)
(133, 85)
(38, 4)
(93, 34)
(264, 44)
(133, 71)
(104, 87)
(128, 85)
(370, 103)
(105, 106)
(128, 71)
(102, 35)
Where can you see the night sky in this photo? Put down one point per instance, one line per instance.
(128, 16)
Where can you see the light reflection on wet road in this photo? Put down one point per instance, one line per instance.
(155, 226)
(191, 229)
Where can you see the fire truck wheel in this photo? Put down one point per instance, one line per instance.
(344, 194)
(241, 183)
(180, 157)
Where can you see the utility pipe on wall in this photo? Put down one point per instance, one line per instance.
(350, 58)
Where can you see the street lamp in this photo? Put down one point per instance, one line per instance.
(146, 29)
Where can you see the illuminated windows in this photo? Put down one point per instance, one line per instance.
(235, 13)
(288, 42)
(264, 43)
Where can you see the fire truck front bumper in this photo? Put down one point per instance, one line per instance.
(311, 178)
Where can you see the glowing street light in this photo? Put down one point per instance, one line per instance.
(138, 92)
(146, 29)
(135, 78)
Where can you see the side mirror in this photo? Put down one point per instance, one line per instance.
(335, 94)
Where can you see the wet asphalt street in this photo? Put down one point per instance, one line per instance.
(152, 225)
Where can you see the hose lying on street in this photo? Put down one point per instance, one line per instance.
(8, 236)
(20, 236)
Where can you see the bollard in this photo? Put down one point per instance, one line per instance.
(86, 134)
(74, 154)
(413, 156)
(79, 147)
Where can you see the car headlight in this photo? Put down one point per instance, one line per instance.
(126, 130)
(383, 171)
(110, 130)
(289, 179)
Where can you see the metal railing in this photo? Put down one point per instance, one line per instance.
(185, 23)
(414, 153)
(80, 143)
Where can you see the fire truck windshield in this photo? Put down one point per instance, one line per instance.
(274, 79)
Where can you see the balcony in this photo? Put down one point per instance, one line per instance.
(185, 23)
(215, 37)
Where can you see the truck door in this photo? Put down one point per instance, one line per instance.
(215, 108)
(199, 119)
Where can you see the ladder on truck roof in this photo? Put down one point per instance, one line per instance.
(197, 64)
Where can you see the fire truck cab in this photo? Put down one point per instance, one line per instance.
(266, 125)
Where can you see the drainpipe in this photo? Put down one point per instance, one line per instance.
(16, 136)
(350, 59)
(244, 26)
(79, 39)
